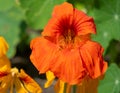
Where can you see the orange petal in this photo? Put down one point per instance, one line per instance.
(4, 71)
(5, 79)
(62, 17)
(83, 24)
(88, 85)
(4, 61)
(28, 83)
(65, 17)
(50, 77)
(69, 67)
(5, 83)
(91, 53)
(3, 46)
(19, 87)
(43, 53)
(65, 9)
(3, 50)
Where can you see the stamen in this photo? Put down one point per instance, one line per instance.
(69, 37)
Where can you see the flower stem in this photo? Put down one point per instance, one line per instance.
(65, 87)
(74, 88)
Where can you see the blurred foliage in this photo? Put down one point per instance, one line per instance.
(22, 20)
(10, 18)
(113, 52)
(38, 11)
(107, 18)
(111, 82)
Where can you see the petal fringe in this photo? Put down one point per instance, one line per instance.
(91, 53)
(43, 53)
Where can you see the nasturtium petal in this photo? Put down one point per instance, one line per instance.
(50, 77)
(4, 61)
(3, 46)
(19, 87)
(28, 83)
(12, 80)
(88, 85)
(5, 84)
(4, 71)
(63, 10)
(111, 81)
(5, 79)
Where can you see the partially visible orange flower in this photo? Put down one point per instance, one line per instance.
(65, 47)
(25, 84)
(22, 82)
(10, 77)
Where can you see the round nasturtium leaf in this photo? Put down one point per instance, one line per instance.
(38, 12)
(107, 18)
(9, 27)
(9, 30)
(111, 82)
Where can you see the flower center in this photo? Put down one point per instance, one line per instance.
(67, 39)
(69, 36)
(70, 40)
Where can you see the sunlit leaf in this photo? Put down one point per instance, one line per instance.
(38, 11)
(111, 82)
(107, 18)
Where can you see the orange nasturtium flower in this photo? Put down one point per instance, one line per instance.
(10, 77)
(66, 49)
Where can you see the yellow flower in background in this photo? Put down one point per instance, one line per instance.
(11, 80)
(3, 46)
(22, 82)
(3, 50)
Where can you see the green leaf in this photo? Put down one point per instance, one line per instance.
(9, 27)
(6, 4)
(107, 18)
(111, 82)
(25, 3)
(38, 12)
(80, 6)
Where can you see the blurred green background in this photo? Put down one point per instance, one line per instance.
(22, 20)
